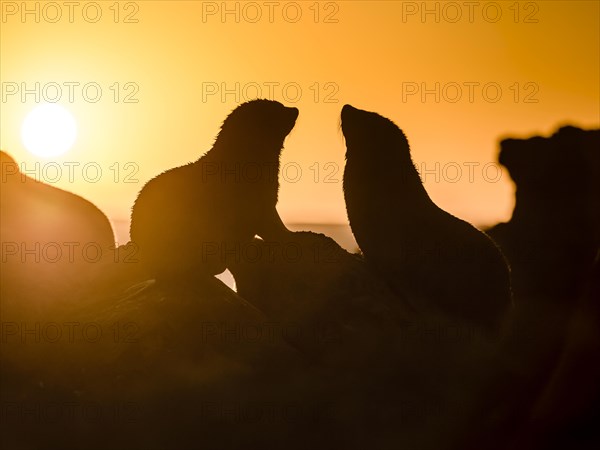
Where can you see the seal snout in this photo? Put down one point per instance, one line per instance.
(347, 108)
(293, 113)
(351, 118)
(290, 116)
(348, 111)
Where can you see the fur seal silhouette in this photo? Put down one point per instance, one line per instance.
(52, 241)
(440, 263)
(38, 212)
(192, 218)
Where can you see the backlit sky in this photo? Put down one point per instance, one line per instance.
(368, 54)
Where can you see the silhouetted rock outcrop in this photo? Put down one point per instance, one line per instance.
(440, 263)
(554, 233)
(308, 279)
(188, 219)
(551, 243)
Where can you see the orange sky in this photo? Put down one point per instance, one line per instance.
(370, 55)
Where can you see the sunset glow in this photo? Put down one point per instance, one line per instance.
(151, 82)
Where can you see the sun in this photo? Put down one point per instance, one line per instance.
(49, 130)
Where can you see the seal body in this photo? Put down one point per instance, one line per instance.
(439, 262)
(192, 219)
